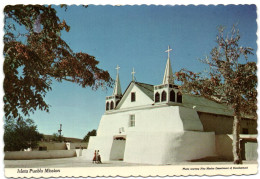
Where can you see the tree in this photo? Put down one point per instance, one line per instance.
(35, 55)
(231, 80)
(20, 135)
(90, 133)
(57, 137)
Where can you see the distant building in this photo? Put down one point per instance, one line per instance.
(157, 124)
(49, 144)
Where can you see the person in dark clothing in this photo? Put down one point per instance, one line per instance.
(98, 157)
(95, 157)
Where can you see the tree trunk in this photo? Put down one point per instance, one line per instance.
(236, 138)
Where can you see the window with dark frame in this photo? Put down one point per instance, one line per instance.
(157, 97)
(42, 148)
(163, 96)
(179, 97)
(133, 97)
(107, 106)
(172, 96)
(111, 105)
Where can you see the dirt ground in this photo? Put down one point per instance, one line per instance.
(83, 162)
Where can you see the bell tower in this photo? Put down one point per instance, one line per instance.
(167, 92)
(112, 101)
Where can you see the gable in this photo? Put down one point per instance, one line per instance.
(142, 96)
(147, 89)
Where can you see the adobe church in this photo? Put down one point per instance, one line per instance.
(157, 124)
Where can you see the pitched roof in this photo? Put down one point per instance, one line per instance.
(146, 88)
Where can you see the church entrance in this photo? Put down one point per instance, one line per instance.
(118, 148)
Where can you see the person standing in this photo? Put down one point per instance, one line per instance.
(98, 157)
(95, 157)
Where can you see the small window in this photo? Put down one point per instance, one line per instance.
(172, 96)
(163, 96)
(132, 96)
(157, 97)
(132, 121)
(179, 97)
(107, 106)
(112, 105)
(42, 148)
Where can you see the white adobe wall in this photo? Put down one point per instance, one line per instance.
(190, 119)
(224, 146)
(155, 126)
(101, 143)
(190, 145)
(154, 119)
(145, 147)
(117, 150)
(168, 148)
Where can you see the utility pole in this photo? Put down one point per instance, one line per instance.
(59, 131)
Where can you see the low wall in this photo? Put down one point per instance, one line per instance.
(251, 151)
(61, 145)
(51, 154)
(248, 148)
(224, 146)
(78, 145)
(79, 152)
(53, 145)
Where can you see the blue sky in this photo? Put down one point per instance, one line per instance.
(135, 36)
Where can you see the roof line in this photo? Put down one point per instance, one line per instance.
(144, 83)
(146, 87)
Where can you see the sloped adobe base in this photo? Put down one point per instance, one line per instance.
(156, 148)
(168, 148)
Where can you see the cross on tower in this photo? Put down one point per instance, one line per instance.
(133, 74)
(168, 51)
(117, 69)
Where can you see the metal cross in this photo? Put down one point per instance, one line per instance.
(168, 51)
(133, 74)
(117, 68)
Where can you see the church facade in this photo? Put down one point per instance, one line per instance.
(157, 124)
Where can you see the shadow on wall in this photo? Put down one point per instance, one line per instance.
(117, 149)
(224, 147)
